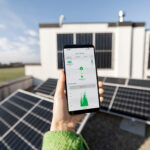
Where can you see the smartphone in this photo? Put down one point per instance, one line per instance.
(81, 79)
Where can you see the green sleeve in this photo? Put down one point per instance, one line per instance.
(63, 140)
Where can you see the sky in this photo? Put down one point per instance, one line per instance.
(19, 21)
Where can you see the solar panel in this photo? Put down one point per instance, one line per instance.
(24, 118)
(84, 38)
(115, 80)
(125, 81)
(100, 78)
(108, 94)
(47, 89)
(3, 146)
(3, 128)
(141, 83)
(132, 102)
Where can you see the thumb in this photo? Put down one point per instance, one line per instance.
(61, 83)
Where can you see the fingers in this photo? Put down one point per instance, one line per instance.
(101, 91)
(100, 84)
(101, 99)
(60, 83)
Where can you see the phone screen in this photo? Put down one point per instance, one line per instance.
(81, 79)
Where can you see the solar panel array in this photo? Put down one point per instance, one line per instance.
(24, 118)
(132, 102)
(47, 88)
(126, 101)
(127, 82)
(121, 99)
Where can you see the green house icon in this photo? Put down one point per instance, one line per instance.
(81, 68)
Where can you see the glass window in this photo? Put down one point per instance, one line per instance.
(84, 38)
(103, 50)
(62, 40)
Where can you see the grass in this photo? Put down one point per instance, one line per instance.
(11, 73)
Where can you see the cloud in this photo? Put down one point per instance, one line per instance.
(2, 26)
(29, 40)
(4, 44)
(31, 33)
(13, 46)
(12, 51)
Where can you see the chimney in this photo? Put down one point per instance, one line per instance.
(121, 16)
(61, 19)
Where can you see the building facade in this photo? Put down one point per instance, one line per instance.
(122, 48)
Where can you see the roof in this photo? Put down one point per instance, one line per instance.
(49, 25)
(133, 24)
(110, 24)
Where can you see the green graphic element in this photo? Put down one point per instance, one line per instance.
(69, 61)
(83, 100)
(91, 60)
(81, 75)
(81, 68)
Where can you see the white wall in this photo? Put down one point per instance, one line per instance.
(138, 52)
(147, 44)
(123, 51)
(8, 87)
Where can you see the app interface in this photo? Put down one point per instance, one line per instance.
(81, 78)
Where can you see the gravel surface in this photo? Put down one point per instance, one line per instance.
(102, 132)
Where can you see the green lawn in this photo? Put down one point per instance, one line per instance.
(10, 73)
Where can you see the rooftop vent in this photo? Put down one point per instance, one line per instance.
(61, 19)
(121, 16)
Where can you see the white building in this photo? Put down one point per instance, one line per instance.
(122, 48)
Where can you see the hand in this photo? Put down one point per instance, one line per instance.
(62, 120)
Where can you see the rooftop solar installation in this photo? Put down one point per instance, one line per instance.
(127, 102)
(47, 88)
(24, 118)
(132, 102)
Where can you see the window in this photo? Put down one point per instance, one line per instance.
(149, 57)
(62, 40)
(84, 38)
(103, 50)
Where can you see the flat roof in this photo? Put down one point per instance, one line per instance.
(110, 24)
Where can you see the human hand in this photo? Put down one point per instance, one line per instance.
(62, 120)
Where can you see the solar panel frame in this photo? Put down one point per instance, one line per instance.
(132, 102)
(109, 111)
(49, 84)
(40, 105)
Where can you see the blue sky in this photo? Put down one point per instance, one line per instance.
(19, 20)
